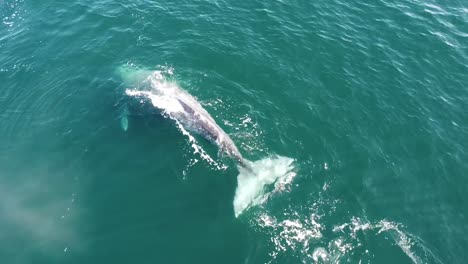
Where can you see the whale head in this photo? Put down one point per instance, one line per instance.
(131, 75)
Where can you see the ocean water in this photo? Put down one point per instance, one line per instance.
(353, 114)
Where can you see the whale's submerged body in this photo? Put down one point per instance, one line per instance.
(187, 111)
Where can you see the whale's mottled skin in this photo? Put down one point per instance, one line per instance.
(196, 118)
(185, 109)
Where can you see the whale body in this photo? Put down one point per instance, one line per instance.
(177, 104)
(182, 107)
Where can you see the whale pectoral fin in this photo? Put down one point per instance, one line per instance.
(124, 123)
(124, 118)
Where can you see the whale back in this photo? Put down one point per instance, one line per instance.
(202, 123)
(181, 106)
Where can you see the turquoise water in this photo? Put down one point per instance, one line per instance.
(368, 99)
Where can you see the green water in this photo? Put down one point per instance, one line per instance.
(368, 98)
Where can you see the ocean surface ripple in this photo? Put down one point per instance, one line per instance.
(365, 104)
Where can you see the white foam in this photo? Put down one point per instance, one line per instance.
(320, 254)
(251, 182)
(410, 244)
(293, 234)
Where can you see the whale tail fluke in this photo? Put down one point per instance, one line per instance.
(245, 164)
(257, 180)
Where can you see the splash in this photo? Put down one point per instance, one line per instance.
(252, 182)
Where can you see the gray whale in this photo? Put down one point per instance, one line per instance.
(189, 114)
(179, 105)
